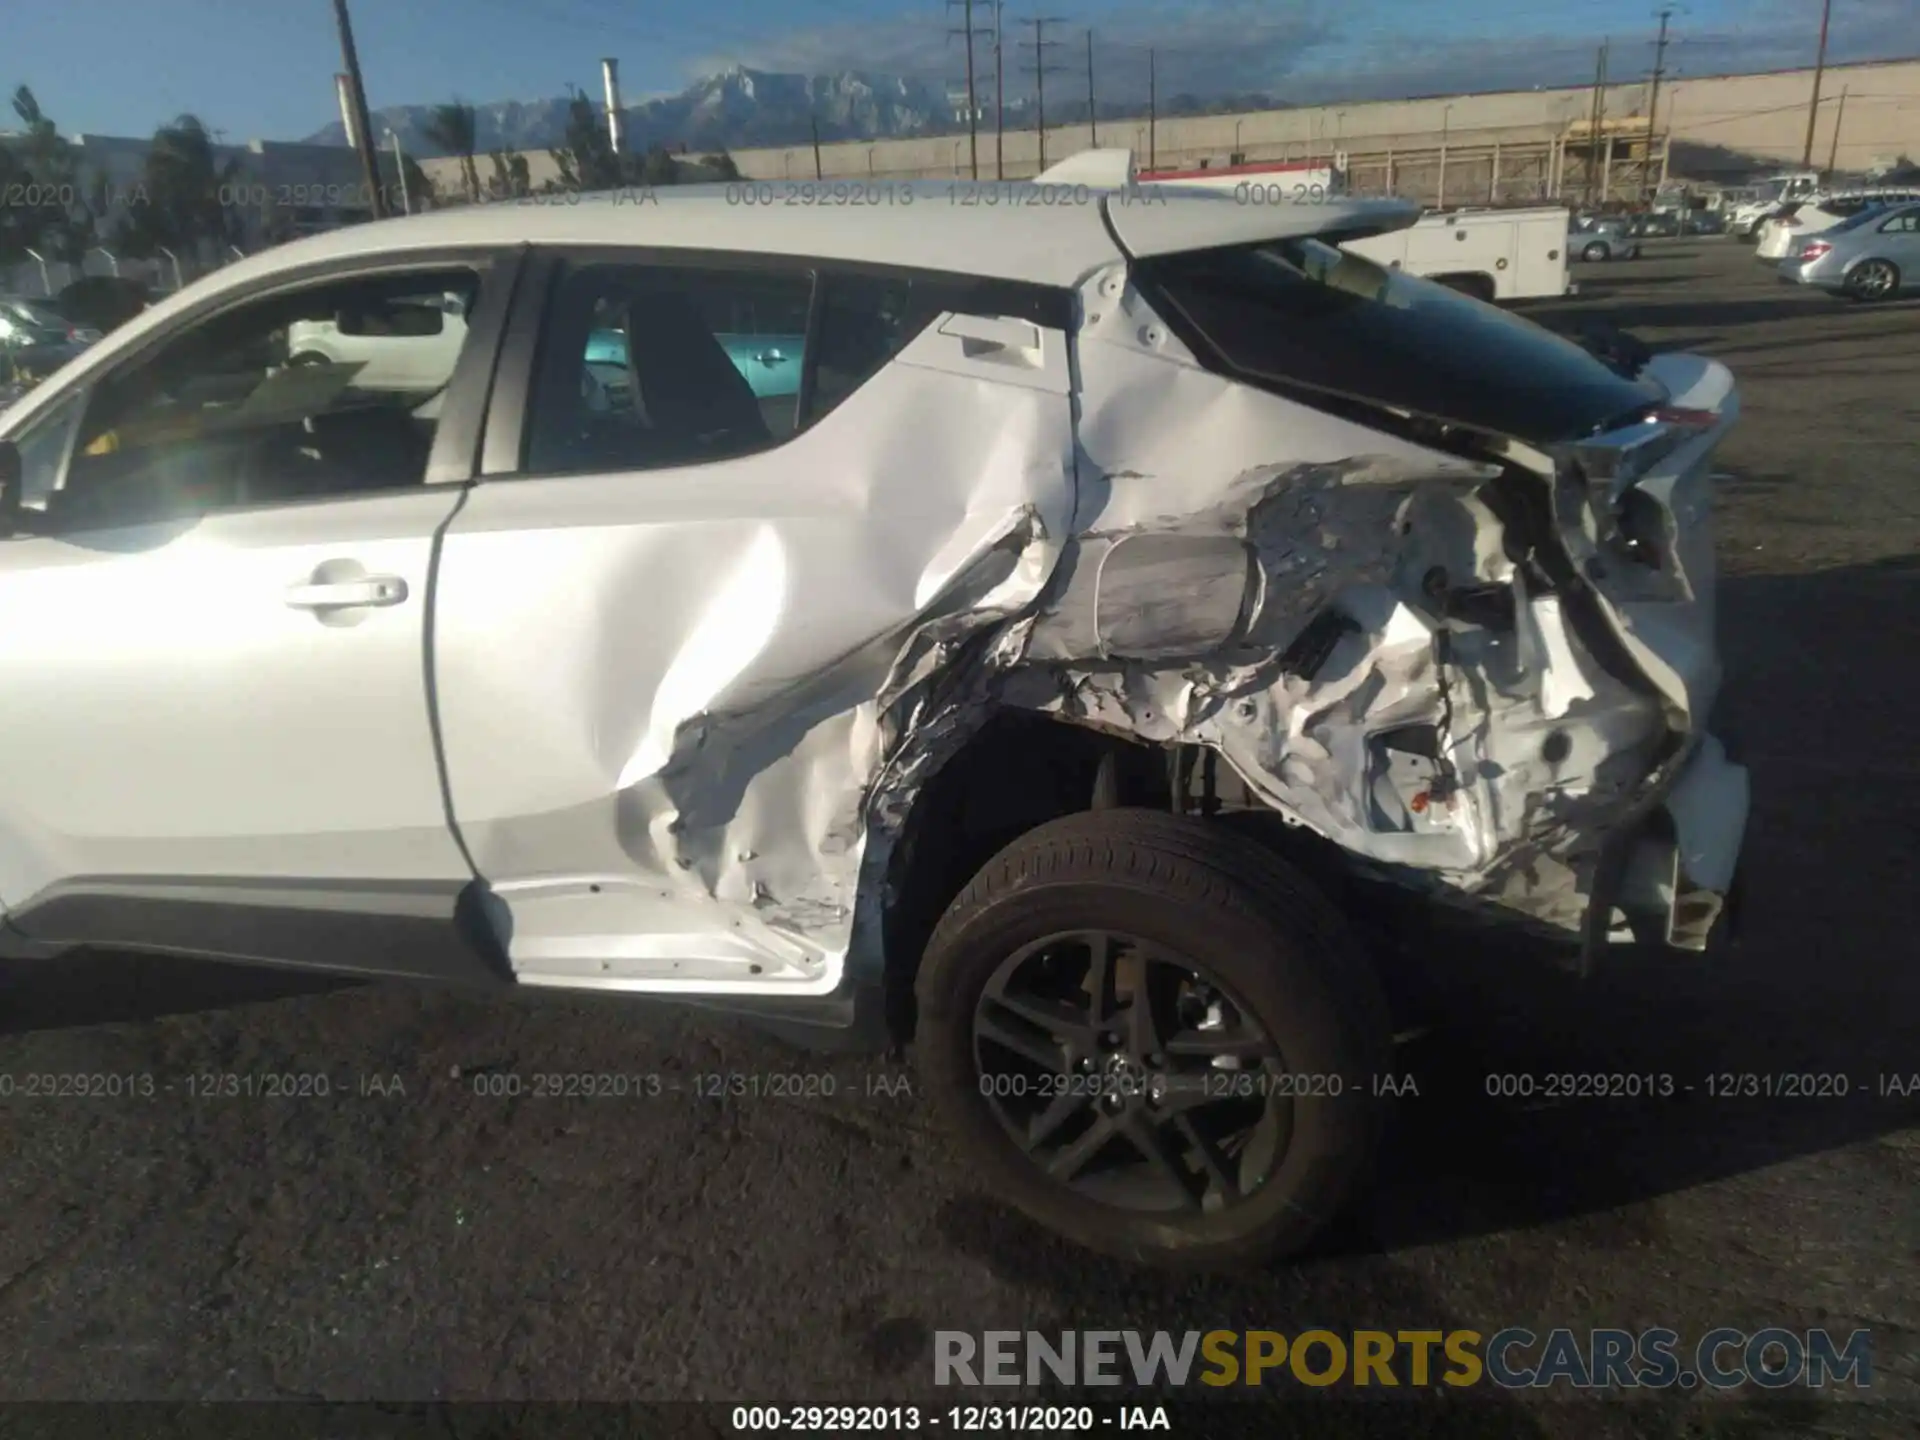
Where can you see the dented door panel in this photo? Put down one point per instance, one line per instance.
(663, 692)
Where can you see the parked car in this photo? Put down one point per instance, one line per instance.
(1594, 240)
(1812, 217)
(412, 346)
(25, 323)
(1049, 687)
(102, 302)
(1873, 256)
(1703, 222)
(1658, 225)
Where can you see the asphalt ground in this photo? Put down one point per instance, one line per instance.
(416, 1237)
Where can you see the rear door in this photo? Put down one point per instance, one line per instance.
(662, 619)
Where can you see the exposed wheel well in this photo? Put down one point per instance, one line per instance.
(1023, 770)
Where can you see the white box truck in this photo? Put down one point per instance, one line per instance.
(1494, 255)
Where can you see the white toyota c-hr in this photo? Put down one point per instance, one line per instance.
(1125, 556)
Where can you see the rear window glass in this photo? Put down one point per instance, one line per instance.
(1302, 313)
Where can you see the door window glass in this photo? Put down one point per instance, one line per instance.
(325, 391)
(643, 366)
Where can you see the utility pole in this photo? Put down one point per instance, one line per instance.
(363, 140)
(1152, 107)
(400, 169)
(1653, 97)
(1833, 149)
(1040, 45)
(1819, 69)
(999, 96)
(1599, 113)
(973, 104)
(813, 125)
(1093, 118)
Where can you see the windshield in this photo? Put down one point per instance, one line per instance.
(38, 317)
(1303, 313)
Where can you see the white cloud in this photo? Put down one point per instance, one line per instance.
(1319, 51)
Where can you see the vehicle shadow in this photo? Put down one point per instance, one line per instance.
(107, 987)
(1821, 982)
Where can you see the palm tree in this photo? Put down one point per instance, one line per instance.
(183, 195)
(453, 129)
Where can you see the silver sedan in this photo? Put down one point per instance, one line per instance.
(1873, 256)
(1601, 242)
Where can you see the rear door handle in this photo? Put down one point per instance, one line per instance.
(344, 594)
(993, 332)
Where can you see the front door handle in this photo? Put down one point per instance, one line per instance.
(345, 594)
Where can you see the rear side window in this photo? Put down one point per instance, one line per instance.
(644, 366)
(1904, 222)
(868, 317)
(1301, 314)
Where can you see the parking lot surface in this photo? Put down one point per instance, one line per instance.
(421, 1233)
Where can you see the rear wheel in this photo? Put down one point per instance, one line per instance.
(1872, 280)
(1596, 251)
(1156, 1039)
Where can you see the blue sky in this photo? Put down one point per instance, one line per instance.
(264, 67)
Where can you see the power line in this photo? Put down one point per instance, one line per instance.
(1040, 45)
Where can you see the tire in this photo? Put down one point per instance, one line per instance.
(1595, 251)
(1281, 957)
(309, 357)
(1872, 281)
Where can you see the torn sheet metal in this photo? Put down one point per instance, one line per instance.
(1344, 615)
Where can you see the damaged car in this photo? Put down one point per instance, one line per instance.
(1118, 575)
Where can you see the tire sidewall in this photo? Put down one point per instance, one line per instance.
(1331, 1136)
(1871, 296)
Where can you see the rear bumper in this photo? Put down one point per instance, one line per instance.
(1678, 882)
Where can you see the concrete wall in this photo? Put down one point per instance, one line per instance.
(1758, 117)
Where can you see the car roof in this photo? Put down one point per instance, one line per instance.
(1050, 234)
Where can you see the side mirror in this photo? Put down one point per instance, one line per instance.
(11, 474)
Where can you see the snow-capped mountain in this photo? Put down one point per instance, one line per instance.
(738, 108)
(742, 108)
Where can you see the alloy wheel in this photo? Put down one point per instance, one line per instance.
(1874, 279)
(1125, 1072)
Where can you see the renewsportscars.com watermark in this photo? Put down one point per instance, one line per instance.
(1512, 1359)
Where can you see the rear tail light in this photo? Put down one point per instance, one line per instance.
(1685, 417)
(1814, 249)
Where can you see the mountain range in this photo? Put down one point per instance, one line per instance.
(742, 108)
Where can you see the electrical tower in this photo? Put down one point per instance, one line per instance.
(1647, 184)
(1093, 114)
(966, 31)
(1040, 45)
